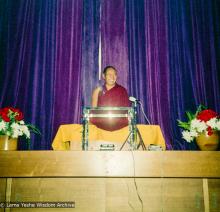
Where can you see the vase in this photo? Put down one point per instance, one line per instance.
(208, 143)
(7, 143)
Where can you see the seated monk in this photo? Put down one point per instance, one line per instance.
(110, 94)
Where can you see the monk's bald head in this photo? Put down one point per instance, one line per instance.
(107, 68)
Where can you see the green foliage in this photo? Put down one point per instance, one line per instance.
(190, 116)
(33, 129)
(184, 125)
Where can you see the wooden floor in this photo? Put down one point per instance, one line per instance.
(112, 181)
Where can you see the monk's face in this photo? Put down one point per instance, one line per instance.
(110, 77)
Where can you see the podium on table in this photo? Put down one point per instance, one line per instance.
(111, 118)
(70, 136)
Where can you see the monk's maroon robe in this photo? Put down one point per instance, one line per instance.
(115, 97)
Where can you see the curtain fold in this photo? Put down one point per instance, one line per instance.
(67, 88)
(193, 61)
(148, 65)
(41, 64)
(90, 49)
(114, 38)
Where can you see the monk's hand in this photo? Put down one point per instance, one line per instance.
(98, 89)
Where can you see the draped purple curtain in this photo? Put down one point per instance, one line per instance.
(193, 38)
(41, 63)
(67, 72)
(114, 38)
(28, 55)
(90, 48)
(167, 54)
(148, 61)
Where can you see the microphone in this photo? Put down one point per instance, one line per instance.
(133, 99)
(137, 101)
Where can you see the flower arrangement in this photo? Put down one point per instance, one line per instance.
(203, 121)
(12, 124)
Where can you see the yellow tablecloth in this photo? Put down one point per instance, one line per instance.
(151, 134)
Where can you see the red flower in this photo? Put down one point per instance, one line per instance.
(206, 115)
(12, 109)
(210, 132)
(16, 113)
(19, 115)
(5, 117)
(4, 114)
(4, 110)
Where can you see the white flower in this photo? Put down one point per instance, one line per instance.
(187, 136)
(218, 125)
(17, 130)
(198, 125)
(15, 126)
(193, 133)
(21, 122)
(15, 134)
(212, 123)
(2, 126)
(25, 130)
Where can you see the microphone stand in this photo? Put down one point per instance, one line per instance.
(134, 132)
(129, 135)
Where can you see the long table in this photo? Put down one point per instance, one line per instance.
(113, 180)
(151, 134)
